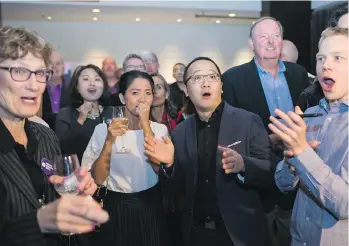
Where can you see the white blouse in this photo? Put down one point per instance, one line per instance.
(129, 172)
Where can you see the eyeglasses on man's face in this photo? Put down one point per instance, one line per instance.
(138, 68)
(199, 79)
(22, 74)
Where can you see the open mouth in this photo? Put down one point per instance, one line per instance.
(206, 95)
(327, 83)
(92, 91)
(270, 48)
(29, 100)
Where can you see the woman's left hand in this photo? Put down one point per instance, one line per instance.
(294, 134)
(87, 184)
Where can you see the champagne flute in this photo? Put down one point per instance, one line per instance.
(119, 115)
(67, 166)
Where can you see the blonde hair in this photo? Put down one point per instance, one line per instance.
(333, 31)
(16, 43)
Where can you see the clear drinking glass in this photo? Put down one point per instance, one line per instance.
(118, 113)
(67, 166)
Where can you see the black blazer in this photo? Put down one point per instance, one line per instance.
(239, 203)
(18, 203)
(242, 88)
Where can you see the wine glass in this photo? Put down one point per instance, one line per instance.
(118, 114)
(67, 166)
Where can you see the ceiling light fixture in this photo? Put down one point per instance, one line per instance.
(218, 21)
(232, 15)
(95, 18)
(96, 10)
(138, 19)
(253, 22)
(49, 17)
(179, 20)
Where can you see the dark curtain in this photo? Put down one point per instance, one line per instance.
(320, 20)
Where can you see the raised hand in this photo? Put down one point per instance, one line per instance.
(293, 134)
(115, 129)
(232, 161)
(158, 151)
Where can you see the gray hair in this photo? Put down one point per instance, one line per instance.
(149, 55)
(263, 19)
(131, 56)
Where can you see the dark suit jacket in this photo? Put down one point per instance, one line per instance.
(18, 203)
(239, 203)
(242, 88)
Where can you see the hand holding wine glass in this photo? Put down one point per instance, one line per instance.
(120, 121)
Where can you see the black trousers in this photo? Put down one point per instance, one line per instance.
(201, 236)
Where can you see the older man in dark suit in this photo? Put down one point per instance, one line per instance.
(221, 157)
(260, 86)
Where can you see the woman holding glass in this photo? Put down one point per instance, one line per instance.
(117, 159)
(30, 214)
(75, 124)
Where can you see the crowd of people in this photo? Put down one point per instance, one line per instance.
(254, 156)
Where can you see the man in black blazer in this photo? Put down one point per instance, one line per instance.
(260, 86)
(221, 157)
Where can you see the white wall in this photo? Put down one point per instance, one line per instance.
(91, 42)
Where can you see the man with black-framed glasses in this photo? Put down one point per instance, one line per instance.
(218, 159)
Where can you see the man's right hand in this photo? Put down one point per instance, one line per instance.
(158, 151)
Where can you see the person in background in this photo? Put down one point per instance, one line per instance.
(162, 110)
(178, 91)
(312, 95)
(316, 155)
(130, 63)
(109, 68)
(151, 62)
(30, 212)
(289, 53)
(133, 196)
(340, 17)
(90, 97)
(57, 93)
(219, 158)
(260, 86)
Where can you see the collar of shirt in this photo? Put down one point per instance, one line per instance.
(215, 117)
(327, 106)
(8, 143)
(281, 64)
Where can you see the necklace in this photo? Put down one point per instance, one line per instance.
(94, 115)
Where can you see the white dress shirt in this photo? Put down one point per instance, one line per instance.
(129, 172)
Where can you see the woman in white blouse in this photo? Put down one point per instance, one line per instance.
(133, 197)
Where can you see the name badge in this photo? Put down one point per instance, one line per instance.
(46, 166)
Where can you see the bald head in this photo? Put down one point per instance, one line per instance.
(109, 67)
(289, 52)
(56, 64)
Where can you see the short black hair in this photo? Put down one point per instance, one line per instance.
(76, 99)
(200, 58)
(127, 79)
(338, 14)
(178, 63)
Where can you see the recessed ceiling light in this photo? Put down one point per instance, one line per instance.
(218, 21)
(96, 10)
(95, 18)
(138, 19)
(232, 15)
(179, 20)
(253, 22)
(49, 17)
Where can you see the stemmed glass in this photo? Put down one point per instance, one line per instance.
(67, 166)
(118, 113)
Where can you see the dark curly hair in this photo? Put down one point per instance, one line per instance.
(338, 14)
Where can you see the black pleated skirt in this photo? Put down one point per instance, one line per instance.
(136, 219)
